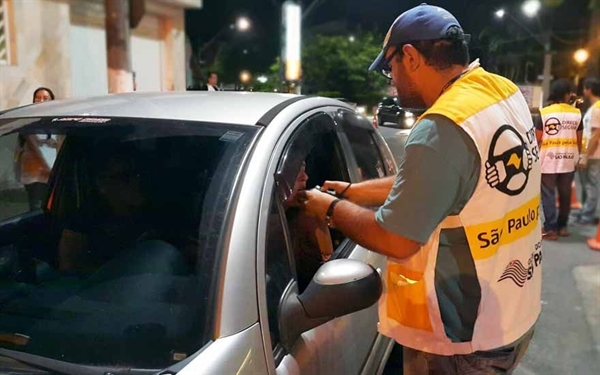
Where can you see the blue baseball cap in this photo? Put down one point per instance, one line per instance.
(423, 22)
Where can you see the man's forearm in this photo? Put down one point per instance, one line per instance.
(372, 192)
(359, 224)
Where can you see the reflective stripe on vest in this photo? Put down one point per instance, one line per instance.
(501, 222)
(559, 151)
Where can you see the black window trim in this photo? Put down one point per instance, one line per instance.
(349, 153)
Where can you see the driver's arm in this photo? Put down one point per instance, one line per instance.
(324, 240)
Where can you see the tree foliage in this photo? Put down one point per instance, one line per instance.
(334, 66)
(337, 66)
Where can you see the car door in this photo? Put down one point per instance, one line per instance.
(312, 154)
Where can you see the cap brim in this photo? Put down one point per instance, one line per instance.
(376, 65)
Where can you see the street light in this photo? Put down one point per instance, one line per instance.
(262, 79)
(245, 76)
(242, 24)
(351, 38)
(531, 8)
(581, 56)
(291, 56)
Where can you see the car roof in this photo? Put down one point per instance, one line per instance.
(223, 107)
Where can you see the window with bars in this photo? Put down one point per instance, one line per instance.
(4, 33)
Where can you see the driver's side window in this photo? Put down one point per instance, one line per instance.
(312, 156)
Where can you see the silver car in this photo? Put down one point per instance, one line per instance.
(161, 234)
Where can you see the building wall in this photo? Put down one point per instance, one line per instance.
(42, 52)
(157, 48)
(61, 44)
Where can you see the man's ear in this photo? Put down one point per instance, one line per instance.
(412, 59)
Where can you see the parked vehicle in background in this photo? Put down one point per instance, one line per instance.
(390, 113)
(165, 242)
(395, 123)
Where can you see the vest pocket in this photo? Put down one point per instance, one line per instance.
(406, 298)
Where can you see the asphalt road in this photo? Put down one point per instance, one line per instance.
(567, 336)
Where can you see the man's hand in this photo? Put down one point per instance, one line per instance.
(582, 163)
(315, 203)
(337, 186)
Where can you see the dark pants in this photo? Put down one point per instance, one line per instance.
(36, 194)
(500, 361)
(550, 184)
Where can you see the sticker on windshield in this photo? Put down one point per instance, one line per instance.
(92, 120)
(95, 120)
(231, 136)
(67, 119)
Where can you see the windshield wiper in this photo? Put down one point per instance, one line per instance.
(61, 367)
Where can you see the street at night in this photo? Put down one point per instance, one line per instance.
(299, 187)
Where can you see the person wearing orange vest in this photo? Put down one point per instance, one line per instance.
(460, 223)
(589, 165)
(559, 133)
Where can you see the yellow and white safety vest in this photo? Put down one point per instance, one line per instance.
(559, 150)
(501, 223)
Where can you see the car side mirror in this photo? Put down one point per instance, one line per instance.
(339, 287)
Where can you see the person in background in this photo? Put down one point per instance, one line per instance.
(559, 134)
(589, 162)
(213, 80)
(34, 157)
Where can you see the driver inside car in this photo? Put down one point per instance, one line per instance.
(114, 220)
(311, 240)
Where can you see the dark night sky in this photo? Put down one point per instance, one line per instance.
(570, 20)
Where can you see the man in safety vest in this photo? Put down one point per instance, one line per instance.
(460, 222)
(559, 132)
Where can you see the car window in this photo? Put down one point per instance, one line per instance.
(26, 163)
(119, 267)
(389, 101)
(312, 156)
(278, 267)
(365, 145)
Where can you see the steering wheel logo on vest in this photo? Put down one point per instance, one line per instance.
(509, 162)
(552, 126)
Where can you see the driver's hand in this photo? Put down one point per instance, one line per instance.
(337, 186)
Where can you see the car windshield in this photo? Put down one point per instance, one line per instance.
(111, 231)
